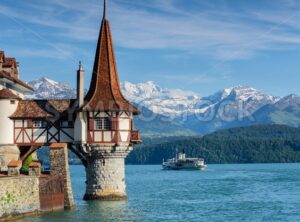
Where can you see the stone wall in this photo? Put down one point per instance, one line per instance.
(59, 165)
(106, 178)
(18, 196)
(105, 173)
(26, 195)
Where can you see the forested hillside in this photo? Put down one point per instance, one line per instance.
(254, 144)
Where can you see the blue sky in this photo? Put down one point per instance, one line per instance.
(197, 45)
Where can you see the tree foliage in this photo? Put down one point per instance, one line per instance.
(254, 144)
(27, 162)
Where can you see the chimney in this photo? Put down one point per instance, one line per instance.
(1, 59)
(17, 70)
(80, 85)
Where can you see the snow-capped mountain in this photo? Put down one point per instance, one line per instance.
(176, 102)
(240, 93)
(188, 112)
(168, 102)
(234, 100)
(287, 100)
(148, 94)
(48, 89)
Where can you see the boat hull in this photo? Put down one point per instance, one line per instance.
(174, 167)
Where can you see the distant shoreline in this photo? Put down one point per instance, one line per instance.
(130, 164)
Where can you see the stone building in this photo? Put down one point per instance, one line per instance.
(98, 127)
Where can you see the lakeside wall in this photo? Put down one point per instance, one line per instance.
(18, 196)
(22, 195)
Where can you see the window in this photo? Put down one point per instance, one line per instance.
(65, 124)
(39, 124)
(102, 124)
(12, 102)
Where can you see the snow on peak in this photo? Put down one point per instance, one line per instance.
(287, 100)
(169, 102)
(150, 90)
(48, 89)
(243, 93)
(246, 93)
(160, 100)
(238, 97)
(140, 91)
(49, 81)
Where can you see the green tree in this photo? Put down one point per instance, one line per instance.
(25, 167)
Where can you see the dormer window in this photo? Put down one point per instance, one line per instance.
(102, 123)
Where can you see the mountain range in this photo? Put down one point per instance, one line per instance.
(171, 112)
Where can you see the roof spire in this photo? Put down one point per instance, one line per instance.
(104, 10)
(105, 92)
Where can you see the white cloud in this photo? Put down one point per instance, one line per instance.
(157, 24)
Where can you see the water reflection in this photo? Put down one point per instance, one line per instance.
(90, 211)
(110, 211)
(87, 211)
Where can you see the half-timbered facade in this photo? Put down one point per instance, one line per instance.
(98, 126)
(42, 122)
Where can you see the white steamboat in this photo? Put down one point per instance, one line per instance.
(181, 162)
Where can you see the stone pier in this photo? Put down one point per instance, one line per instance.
(60, 167)
(105, 173)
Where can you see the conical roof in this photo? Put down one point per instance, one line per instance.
(105, 93)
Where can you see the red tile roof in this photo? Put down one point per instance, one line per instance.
(35, 164)
(36, 109)
(9, 62)
(7, 94)
(58, 145)
(105, 93)
(5, 75)
(15, 163)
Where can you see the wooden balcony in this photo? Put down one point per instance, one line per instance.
(135, 137)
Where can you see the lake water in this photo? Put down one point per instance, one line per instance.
(258, 192)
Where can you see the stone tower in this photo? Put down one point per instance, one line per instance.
(104, 126)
